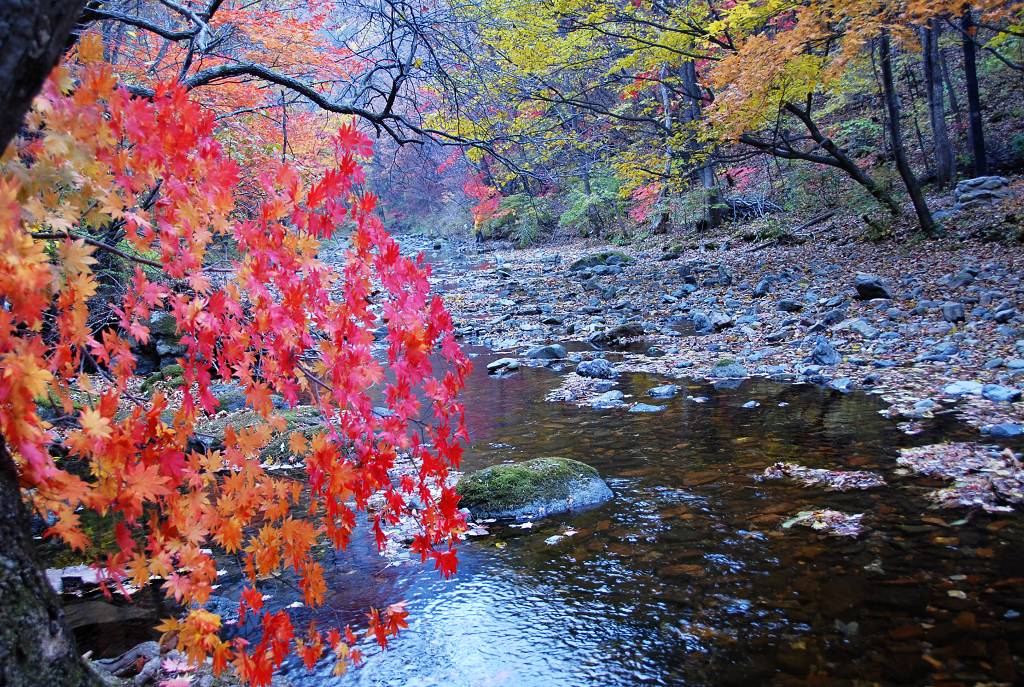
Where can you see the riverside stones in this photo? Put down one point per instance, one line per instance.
(870, 286)
(532, 489)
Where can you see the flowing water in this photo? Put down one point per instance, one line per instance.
(686, 577)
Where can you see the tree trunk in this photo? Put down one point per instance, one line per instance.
(36, 645)
(975, 131)
(33, 36)
(664, 220)
(954, 104)
(713, 215)
(945, 163)
(924, 215)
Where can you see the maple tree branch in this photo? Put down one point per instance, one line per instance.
(51, 235)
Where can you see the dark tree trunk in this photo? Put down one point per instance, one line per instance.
(834, 155)
(36, 645)
(924, 215)
(975, 131)
(945, 163)
(713, 215)
(33, 36)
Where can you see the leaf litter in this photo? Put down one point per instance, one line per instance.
(831, 480)
(983, 476)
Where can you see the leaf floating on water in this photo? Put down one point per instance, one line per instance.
(828, 522)
(831, 480)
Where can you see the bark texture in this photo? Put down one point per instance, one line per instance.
(945, 162)
(36, 646)
(33, 35)
(975, 130)
(892, 106)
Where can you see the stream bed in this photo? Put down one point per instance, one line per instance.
(686, 577)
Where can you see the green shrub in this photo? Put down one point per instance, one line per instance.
(520, 217)
(594, 212)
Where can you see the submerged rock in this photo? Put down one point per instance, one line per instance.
(532, 489)
(645, 408)
(664, 391)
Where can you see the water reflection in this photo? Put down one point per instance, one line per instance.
(686, 577)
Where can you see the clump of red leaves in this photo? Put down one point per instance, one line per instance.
(278, 326)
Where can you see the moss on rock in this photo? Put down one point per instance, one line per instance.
(534, 488)
(168, 376)
(306, 419)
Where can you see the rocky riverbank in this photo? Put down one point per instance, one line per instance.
(931, 327)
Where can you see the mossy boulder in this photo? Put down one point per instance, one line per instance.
(169, 376)
(609, 257)
(532, 489)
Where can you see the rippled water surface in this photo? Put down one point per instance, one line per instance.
(686, 576)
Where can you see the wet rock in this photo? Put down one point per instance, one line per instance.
(843, 384)
(609, 399)
(626, 330)
(953, 312)
(665, 391)
(598, 368)
(870, 286)
(502, 365)
(727, 368)
(1004, 429)
(532, 489)
(549, 352)
(645, 408)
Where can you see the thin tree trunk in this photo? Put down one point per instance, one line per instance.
(954, 103)
(713, 215)
(975, 130)
(945, 162)
(36, 646)
(924, 215)
(33, 36)
(661, 225)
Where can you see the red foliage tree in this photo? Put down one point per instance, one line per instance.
(281, 321)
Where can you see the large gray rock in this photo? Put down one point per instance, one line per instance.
(871, 286)
(728, 369)
(532, 489)
(550, 352)
(953, 312)
(606, 258)
(598, 368)
(612, 335)
(963, 388)
(824, 353)
(1000, 393)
